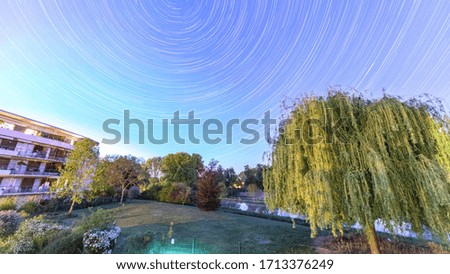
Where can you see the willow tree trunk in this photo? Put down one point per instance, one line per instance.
(71, 208)
(372, 239)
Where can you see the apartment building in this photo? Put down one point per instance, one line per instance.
(31, 153)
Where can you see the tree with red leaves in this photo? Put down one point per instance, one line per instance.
(208, 190)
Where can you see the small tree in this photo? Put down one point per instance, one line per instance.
(208, 190)
(78, 172)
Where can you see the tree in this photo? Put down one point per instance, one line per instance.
(181, 168)
(345, 159)
(100, 187)
(153, 167)
(230, 177)
(78, 172)
(253, 175)
(208, 190)
(123, 172)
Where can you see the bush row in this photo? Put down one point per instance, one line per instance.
(176, 193)
(37, 235)
(51, 205)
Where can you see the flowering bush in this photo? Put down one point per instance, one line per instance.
(9, 222)
(33, 235)
(100, 241)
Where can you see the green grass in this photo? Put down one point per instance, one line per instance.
(214, 232)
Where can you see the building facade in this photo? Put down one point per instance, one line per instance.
(31, 154)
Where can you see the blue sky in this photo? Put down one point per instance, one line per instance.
(75, 64)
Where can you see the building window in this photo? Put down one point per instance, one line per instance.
(33, 166)
(30, 131)
(4, 163)
(6, 125)
(8, 144)
(52, 136)
(27, 184)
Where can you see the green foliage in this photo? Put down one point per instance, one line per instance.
(166, 193)
(100, 187)
(230, 177)
(181, 168)
(5, 245)
(253, 176)
(65, 242)
(180, 194)
(139, 243)
(152, 193)
(9, 222)
(99, 219)
(32, 236)
(345, 159)
(30, 207)
(8, 204)
(78, 171)
(176, 193)
(122, 172)
(71, 241)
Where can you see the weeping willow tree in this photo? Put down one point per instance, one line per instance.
(344, 159)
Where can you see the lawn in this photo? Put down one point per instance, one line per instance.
(201, 232)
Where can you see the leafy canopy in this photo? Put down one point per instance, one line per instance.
(346, 159)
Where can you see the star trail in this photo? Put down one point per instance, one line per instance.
(75, 64)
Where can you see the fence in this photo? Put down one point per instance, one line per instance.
(196, 246)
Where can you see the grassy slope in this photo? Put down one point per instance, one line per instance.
(214, 232)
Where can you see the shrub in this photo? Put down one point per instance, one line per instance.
(8, 204)
(9, 222)
(33, 235)
(98, 241)
(152, 193)
(165, 193)
(208, 191)
(133, 192)
(71, 242)
(65, 242)
(5, 245)
(53, 204)
(99, 219)
(30, 207)
(139, 243)
(180, 194)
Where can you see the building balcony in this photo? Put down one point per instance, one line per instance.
(49, 173)
(30, 154)
(21, 137)
(22, 190)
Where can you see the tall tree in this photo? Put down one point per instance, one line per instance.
(181, 168)
(230, 176)
(345, 160)
(78, 172)
(253, 175)
(123, 172)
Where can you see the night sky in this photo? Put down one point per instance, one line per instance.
(74, 64)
